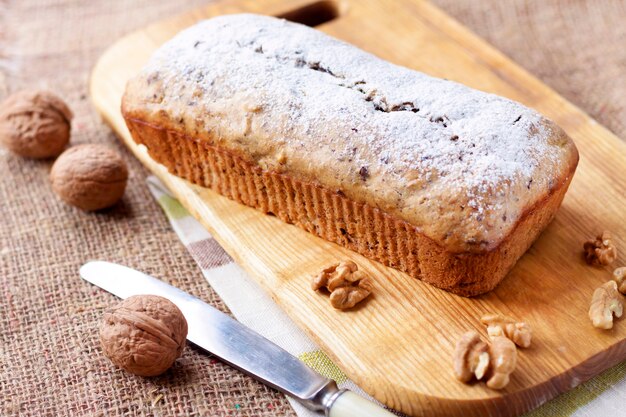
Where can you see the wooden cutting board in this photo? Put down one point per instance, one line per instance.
(398, 346)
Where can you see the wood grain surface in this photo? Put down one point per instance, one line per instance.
(398, 345)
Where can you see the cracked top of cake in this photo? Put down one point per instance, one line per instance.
(461, 165)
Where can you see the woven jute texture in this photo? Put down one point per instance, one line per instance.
(50, 359)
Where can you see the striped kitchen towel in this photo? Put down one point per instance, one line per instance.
(601, 396)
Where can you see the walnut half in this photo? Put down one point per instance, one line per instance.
(600, 251)
(471, 357)
(604, 304)
(497, 325)
(347, 285)
(475, 359)
(503, 362)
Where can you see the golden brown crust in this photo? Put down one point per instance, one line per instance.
(336, 218)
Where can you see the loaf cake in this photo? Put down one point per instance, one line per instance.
(448, 184)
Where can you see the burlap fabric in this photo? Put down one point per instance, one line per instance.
(50, 360)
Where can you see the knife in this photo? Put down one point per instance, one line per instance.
(237, 345)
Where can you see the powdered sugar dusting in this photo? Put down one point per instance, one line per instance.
(422, 141)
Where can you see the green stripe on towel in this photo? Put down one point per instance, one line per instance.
(322, 364)
(173, 209)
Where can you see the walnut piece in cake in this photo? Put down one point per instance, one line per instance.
(347, 285)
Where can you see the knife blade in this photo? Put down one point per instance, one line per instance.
(236, 344)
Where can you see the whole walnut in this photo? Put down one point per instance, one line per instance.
(35, 124)
(144, 334)
(90, 177)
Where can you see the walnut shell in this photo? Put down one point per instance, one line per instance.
(143, 334)
(35, 124)
(90, 177)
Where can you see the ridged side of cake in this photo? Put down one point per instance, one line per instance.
(336, 218)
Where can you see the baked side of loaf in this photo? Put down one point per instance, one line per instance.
(444, 182)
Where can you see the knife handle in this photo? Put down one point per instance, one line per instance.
(349, 404)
